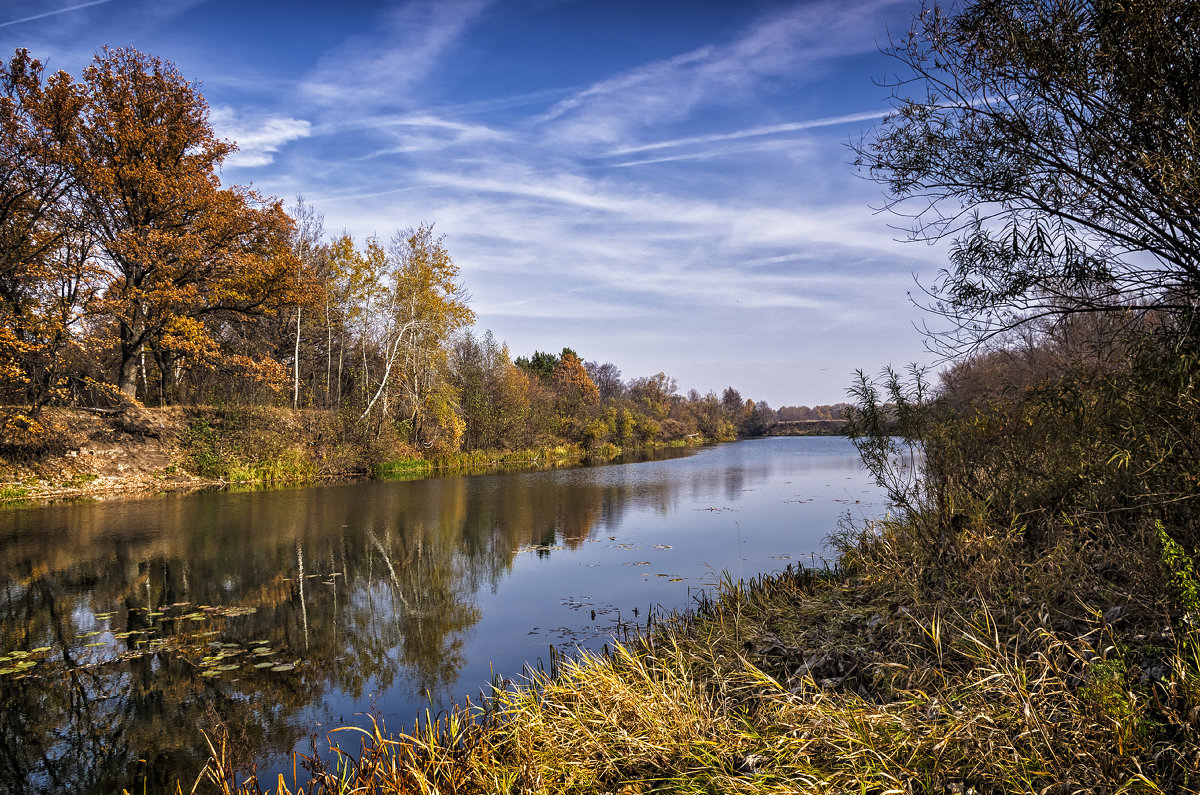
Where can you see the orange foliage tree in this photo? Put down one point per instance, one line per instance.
(181, 255)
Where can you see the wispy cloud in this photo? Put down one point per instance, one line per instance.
(754, 132)
(696, 197)
(379, 69)
(258, 138)
(796, 44)
(421, 133)
(55, 12)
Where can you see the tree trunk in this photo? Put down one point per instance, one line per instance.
(128, 370)
(296, 366)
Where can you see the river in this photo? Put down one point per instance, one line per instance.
(130, 629)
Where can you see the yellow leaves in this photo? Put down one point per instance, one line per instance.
(187, 336)
(267, 372)
(19, 427)
(573, 384)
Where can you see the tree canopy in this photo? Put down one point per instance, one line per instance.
(1054, 143)
(117, 239)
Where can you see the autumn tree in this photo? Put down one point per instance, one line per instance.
(1054, 144)
(310, 254)
(182, 255)
(418, 308)
(45, 273)
(348, 280)
(573, 388)
(653, 395)
(493, 394)
(757, 419)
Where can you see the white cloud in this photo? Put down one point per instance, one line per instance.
(753, 132)
(258, 138)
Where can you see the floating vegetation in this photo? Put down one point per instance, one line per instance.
(168, 634)
(542, 548)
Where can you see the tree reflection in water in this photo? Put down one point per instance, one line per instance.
(130, 629)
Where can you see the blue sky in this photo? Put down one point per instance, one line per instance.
(664, 185)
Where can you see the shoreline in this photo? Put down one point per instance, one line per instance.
(140, 452)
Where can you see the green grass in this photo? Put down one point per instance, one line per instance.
(10, 492)
(479, 462)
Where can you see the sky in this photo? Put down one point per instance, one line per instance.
(661, 184)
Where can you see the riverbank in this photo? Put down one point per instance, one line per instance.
(992, 666)
(87, 454)
(75, 453)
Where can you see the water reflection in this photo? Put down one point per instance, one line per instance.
(130, 628)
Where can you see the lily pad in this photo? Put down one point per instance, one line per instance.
(283, 667)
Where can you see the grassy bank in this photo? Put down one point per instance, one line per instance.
(73, 453)
(481, 461)
(473, 462)
(251, 445)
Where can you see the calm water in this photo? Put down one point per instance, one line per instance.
(129, 628)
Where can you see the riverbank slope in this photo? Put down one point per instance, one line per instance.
(68, 453)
